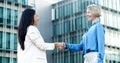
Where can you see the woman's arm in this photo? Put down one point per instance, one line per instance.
(101, 42)
(75, 47)
(35, 37)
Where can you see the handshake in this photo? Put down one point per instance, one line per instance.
(60, 46)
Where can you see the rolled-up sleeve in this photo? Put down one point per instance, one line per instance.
(35, 37)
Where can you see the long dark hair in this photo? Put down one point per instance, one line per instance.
(26, 20)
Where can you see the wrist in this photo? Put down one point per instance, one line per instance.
(56, 44)
(65, 46)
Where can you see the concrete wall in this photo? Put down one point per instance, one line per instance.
(44, 11)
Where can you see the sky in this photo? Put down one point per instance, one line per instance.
(31, 2)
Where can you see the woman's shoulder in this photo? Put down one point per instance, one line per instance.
(99, 26)
(32, 28)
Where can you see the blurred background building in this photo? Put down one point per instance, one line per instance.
(10, 12)
(70, 23)
(110, 20)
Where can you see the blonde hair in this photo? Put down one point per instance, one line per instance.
(95, 9)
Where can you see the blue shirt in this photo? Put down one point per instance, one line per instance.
(93, 39)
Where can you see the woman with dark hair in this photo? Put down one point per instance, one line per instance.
(31, 46)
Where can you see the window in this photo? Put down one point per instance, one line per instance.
(1, 15)
(54, 29)
(0, 59)
(57, 29)
(53, 14)
(66, 58)
(16, 17)
(16, 1)
(6, 59)
(66, 26)
(66, 10)
(15, 41)
(24, 2)
(8, 16)
(9, 1)
(56, 12)
(72, 25)
(7, 40)
(71, 57)
(60, 12)
(0, 39)
(60, 28)
(14, 60)
(79, 5)
(74, 7)
(78, 23)
(71, 8)
(84, 22)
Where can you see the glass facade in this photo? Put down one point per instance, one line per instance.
(10, 13)
(24, 2)
(70, 23)
(6, 60)
(9, 16)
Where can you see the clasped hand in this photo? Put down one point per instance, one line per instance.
(60, 46)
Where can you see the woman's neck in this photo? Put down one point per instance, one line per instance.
(96, 19)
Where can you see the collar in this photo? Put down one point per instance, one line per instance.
(95, 22)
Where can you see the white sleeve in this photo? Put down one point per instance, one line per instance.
(34, 35)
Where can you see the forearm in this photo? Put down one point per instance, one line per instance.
(73, 47)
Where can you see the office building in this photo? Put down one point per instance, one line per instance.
(10, 13)
(110, 20)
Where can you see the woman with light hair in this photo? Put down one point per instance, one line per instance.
(93, 41)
